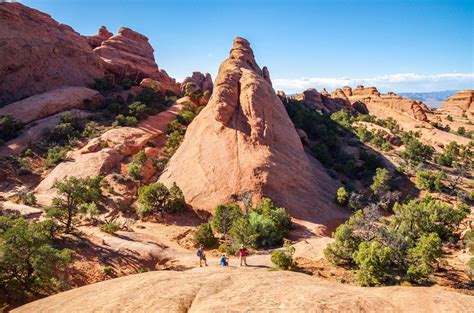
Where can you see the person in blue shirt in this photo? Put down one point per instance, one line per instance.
(224, 260)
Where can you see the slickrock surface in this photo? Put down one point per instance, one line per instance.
(102, 35)
(460, 103)
(39, 54)
(104, 153)
(243, 141)
(49, 103)
(232, 289)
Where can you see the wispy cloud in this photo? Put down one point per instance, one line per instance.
(408, 82)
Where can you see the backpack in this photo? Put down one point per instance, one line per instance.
(199, 252)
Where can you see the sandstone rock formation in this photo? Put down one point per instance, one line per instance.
(129, 54)
(244, 142)
(458, 104)
(102, 35)
(197, 81)
(326, 102)
(233, 289)
(49, 103)
(104, 153)
(363, 91)
(39, 54)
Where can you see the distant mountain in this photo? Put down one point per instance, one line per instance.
(433, 99)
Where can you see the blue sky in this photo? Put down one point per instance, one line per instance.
(396, 45)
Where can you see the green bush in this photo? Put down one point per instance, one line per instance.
(9, 127)
(380, 181)
(224, 217)
(373, 261)
(428, 180)
(422, 256)
(284, 259)
(72, 193)
(135, 171)
(187, 114)
(415, 152)
(29, 263)
(343, 118)
(416, 217)
(205, 236)
(103, 84)
(26, 198)
(342, 196)
(345, 243)
(55, 156)
(108, 270)
(110, 228)
(173, 142)
(157, 197)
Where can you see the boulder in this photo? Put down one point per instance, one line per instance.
(49, 103)
(312, 99)
(102, 35)
(40, 54)
(347, 91)
(259, 151)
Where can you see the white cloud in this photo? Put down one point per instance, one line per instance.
(403, 82)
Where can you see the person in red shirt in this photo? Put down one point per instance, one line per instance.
(243, 252)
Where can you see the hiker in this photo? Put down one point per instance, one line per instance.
(224, 260)
(243, 252)
(202, 255)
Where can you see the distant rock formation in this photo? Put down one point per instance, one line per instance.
(197, 81)
(39, 54)
(102, 35)
(324, 101)
(362, 99)
(458, 104)
(243, 142)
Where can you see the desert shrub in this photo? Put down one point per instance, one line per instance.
(373, 260)
(468, 241)
(134, 171)
(449, 118)
(407, 246)
(267, 231)
(363, 134)
(108, 270)
(343, 118)
(279, 215)
(26, 198)
(380, 181)
(187, 114)
(72, 193)
(160, 163)
(284, 258)
(345, 244)
(175, 126)
(443, 159)
(138, 110)
(173, 142)
(158, 198)
(342, 196)
(415, 152)
(205, 236)
(122, 120)
(9, 127)
(470, 270)
(242, 232)
(110, 228)
(126, 83)
(140, 157)
(422, 256)
(224, 217)
(91, 129)
(415, 218)
(68, 129)
(55, 156)
(461, 131)
(103, 84)
(29, 262)
(371, 161)
(321, 152)
(90, 210)
(230, 249)
(428, 180)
